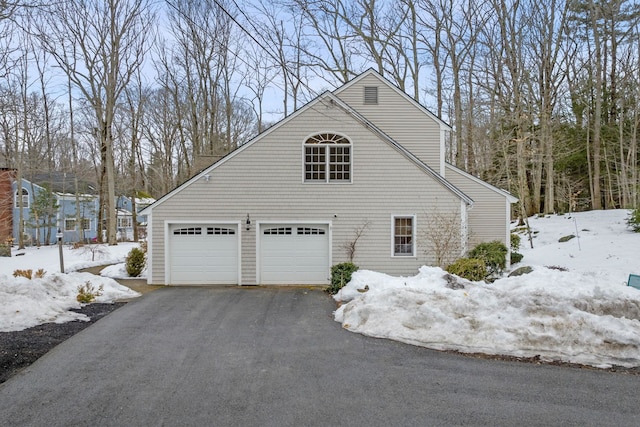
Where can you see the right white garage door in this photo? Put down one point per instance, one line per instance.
(294, 254)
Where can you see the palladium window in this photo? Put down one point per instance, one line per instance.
(327, 158)
(403, 236)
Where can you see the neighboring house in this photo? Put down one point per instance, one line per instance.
(125, 217)
(284, 207)
(43, 228)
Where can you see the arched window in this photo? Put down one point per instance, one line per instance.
(327, 158)
(25, 198)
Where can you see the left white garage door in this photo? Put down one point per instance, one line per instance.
(203, 254)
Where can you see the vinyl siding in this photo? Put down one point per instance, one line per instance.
(397, 117)
(265, 180)
(489, 217)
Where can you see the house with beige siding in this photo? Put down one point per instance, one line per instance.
(362, 166)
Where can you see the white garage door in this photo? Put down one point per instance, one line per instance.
(203, 254)
(294, 254)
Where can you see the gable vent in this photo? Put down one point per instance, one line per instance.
(371, 95)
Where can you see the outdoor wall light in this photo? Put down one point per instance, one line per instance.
(248, 223)
(207, 178)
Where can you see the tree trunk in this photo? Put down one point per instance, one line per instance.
(596, 202)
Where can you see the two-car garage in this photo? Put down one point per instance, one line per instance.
(286, 253)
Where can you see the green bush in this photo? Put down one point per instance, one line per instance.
(468, 268)
(494, 255)
(516, 257)
(135, 262)
(340, 276)
(515, 242)
(633, 220)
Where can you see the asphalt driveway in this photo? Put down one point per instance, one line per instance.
(275, 357)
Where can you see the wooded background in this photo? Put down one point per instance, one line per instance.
(139, 95)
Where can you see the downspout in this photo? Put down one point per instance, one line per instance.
(464, 227)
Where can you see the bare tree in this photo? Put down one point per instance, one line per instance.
(136, 98)
(336, 50)
(194, 66)
(350, 246)
(161, 131)
(547, 30)
(259, 76)
(442, 236)
(99, 44)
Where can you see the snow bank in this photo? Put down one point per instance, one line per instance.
(27, 303)
(582, 315)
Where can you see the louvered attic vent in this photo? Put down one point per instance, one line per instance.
(371, 95)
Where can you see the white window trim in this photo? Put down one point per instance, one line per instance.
(25, 198)
(127, 219)
(413, 235)
(327, 159)
(83, 219)
(74, 224)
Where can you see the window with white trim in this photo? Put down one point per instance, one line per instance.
(327, 158)
(404, 236)
(25, 198)
(86, 223)
(125, 222)
(69, 224)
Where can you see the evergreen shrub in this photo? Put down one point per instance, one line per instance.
(340, 276)
(494, 255)
(633, 220)
(135, 262)
(468, 268)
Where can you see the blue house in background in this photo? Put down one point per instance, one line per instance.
(76, 216)
(125, 217)
(43, 229)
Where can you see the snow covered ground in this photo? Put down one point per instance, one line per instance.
(25, 303)
(573, 307)
(582, 315)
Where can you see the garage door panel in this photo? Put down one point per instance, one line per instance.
(294, 254)
(203, 254)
